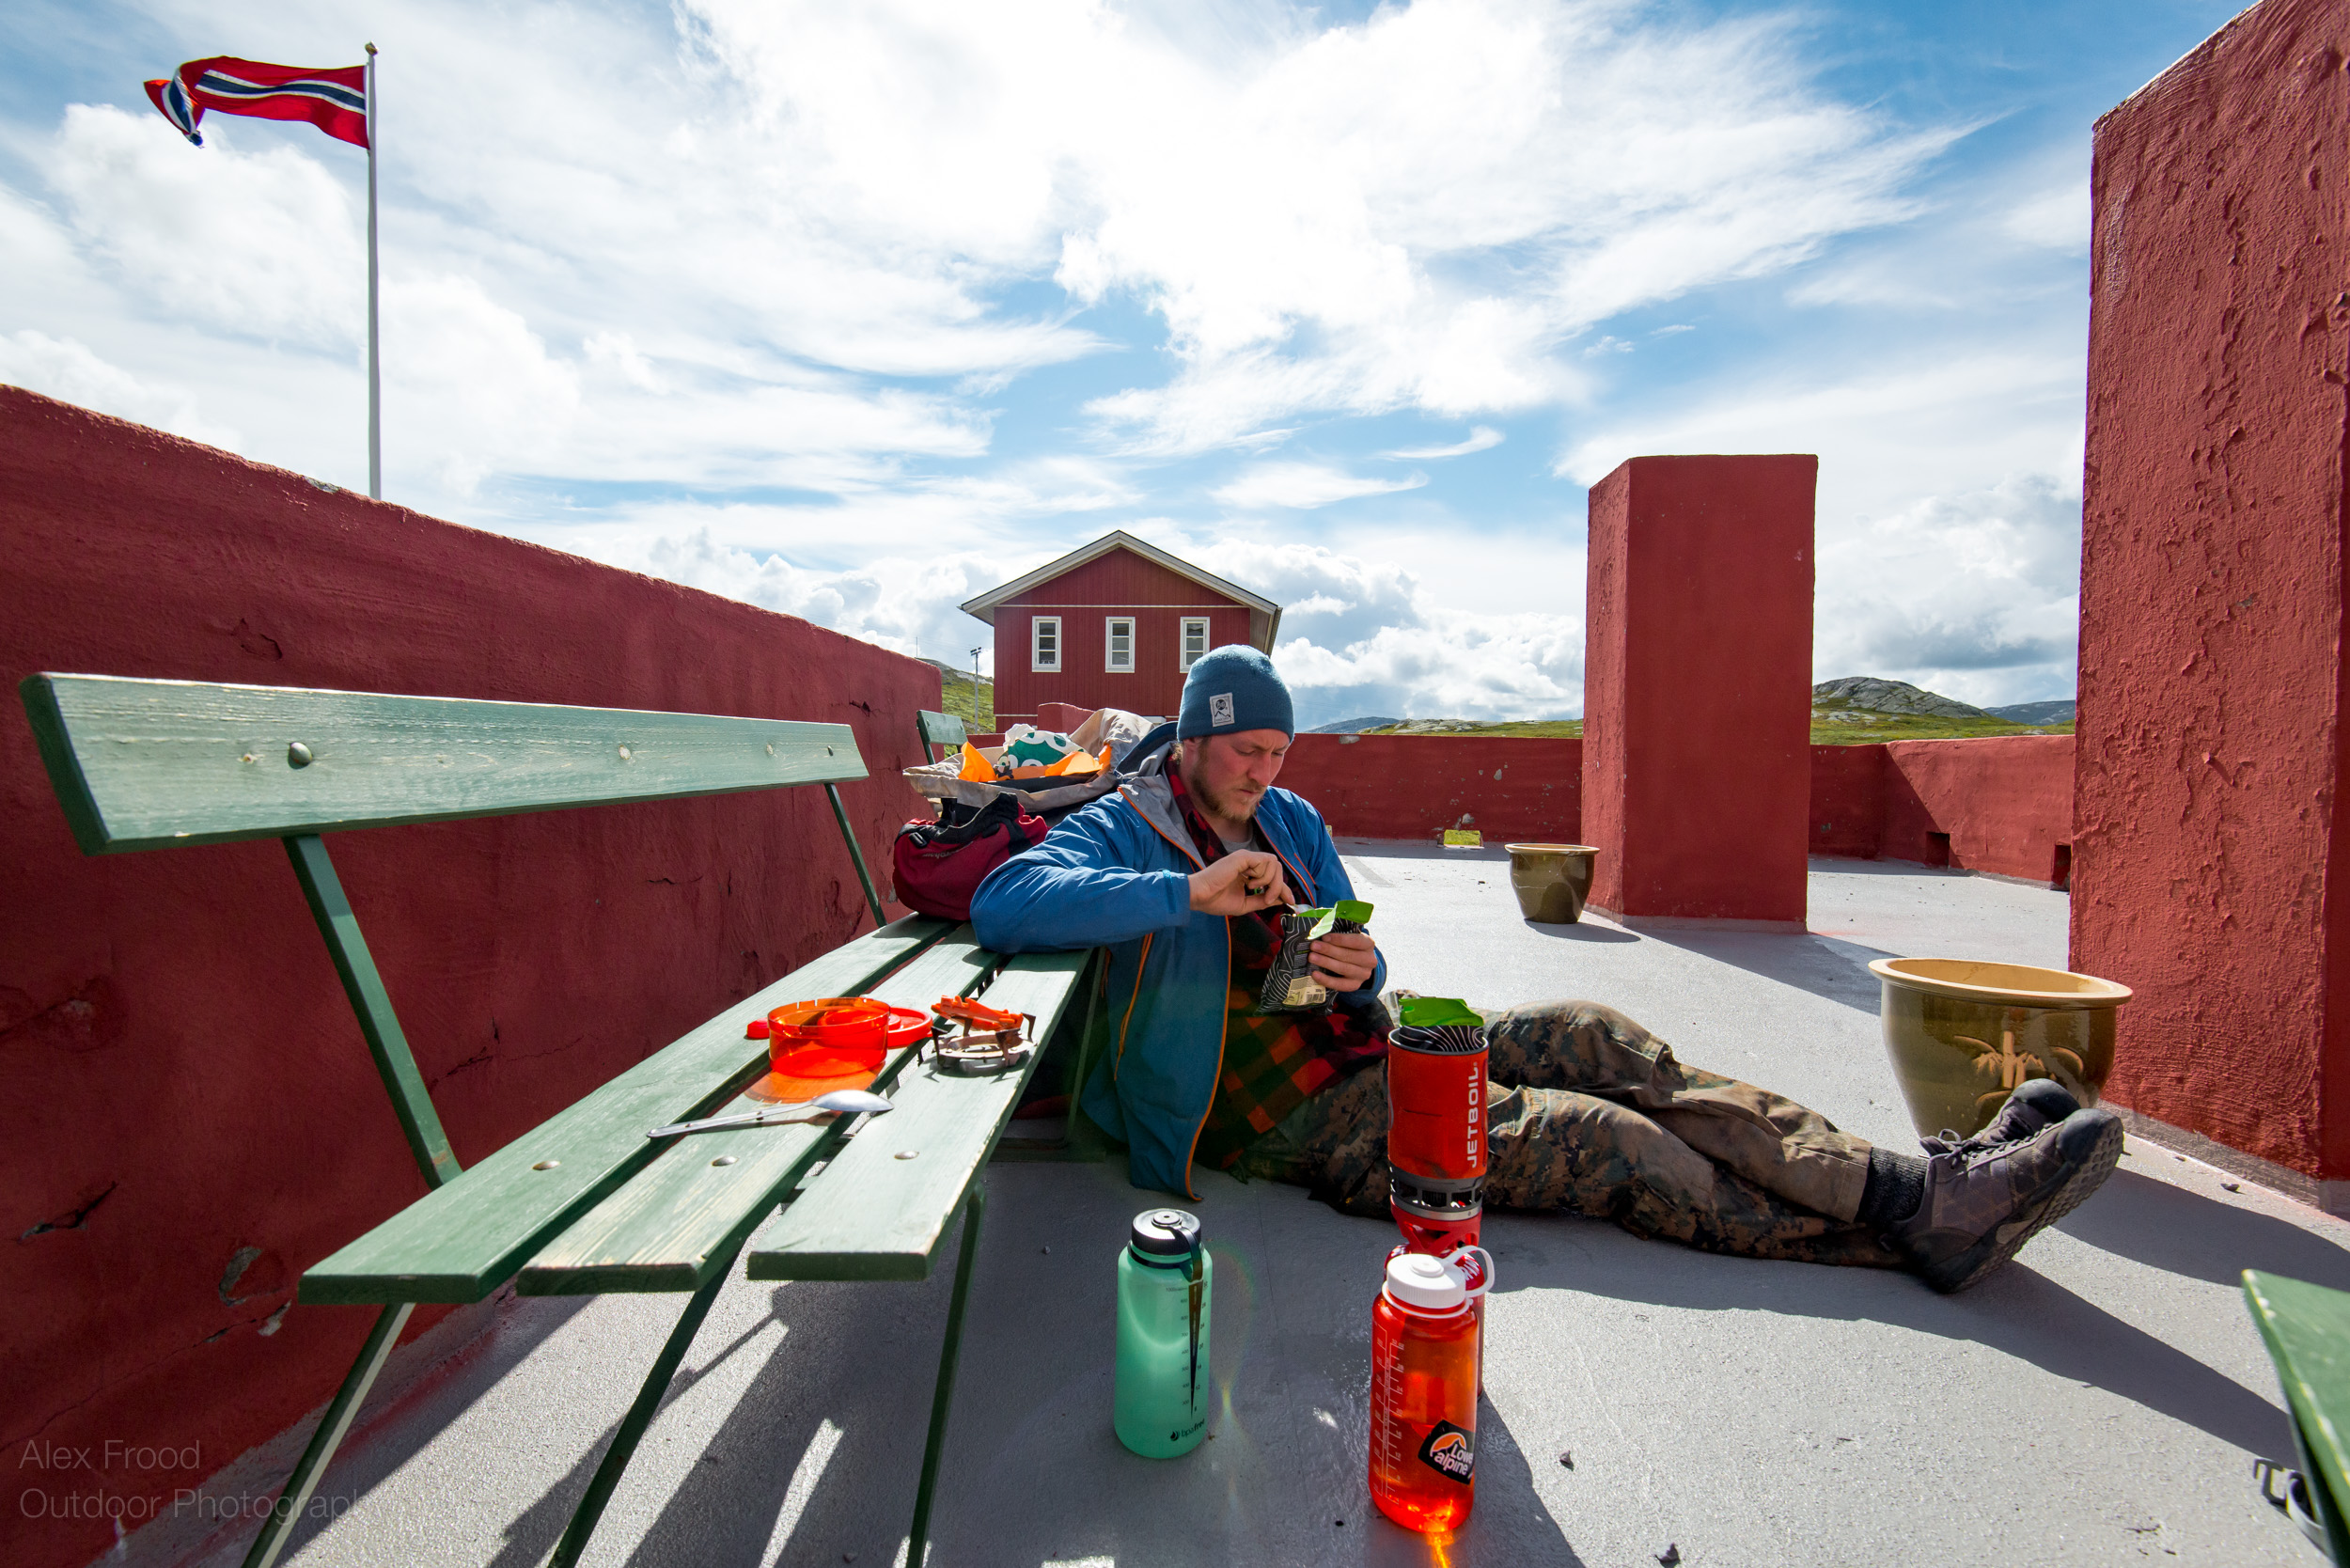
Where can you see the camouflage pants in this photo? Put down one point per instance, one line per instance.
(1589, 1112)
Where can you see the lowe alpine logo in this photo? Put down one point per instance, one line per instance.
(1450, 1451)
(1220, 710)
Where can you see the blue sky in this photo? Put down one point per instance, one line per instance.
(854, 310)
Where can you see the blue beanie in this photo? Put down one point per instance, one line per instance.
(1232, 689)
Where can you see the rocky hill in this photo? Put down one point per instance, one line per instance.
(1869, 694)
(2057, 712)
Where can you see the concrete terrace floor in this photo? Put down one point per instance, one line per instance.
(2100, 1401)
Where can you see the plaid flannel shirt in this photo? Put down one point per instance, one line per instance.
(1273, 1063)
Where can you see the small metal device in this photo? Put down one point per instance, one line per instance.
(991, 1041)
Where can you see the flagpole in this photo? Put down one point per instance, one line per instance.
(375, 370)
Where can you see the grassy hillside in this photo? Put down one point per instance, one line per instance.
(1831, 725)
(975, 709)
(1854, 728)
(1545, 728)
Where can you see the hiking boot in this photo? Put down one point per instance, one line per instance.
(2036, 1102)
(1984, 1200)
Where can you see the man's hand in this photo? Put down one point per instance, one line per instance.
(1345, 960)
(1242, 882)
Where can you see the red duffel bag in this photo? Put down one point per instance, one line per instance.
(937, 865)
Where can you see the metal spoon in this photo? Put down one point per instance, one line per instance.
(840, 1102)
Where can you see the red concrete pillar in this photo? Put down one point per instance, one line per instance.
(1697, 688)
(2211, 867)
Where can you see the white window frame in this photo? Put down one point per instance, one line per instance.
(1185, 658)
(1109, 644)
(1039, 660)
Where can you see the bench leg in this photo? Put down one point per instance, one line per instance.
(1073, 1144)
(295, 1499)
(974, 1209)
(865, 878)
(639, 1417)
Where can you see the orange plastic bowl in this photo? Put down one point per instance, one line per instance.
(827, 1037)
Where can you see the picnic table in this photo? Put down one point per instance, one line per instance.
(585, 1203)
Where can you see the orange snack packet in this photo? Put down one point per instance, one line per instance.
(976, 767)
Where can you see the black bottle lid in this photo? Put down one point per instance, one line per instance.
(1166, 1233)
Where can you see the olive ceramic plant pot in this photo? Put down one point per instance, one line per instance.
(1963, 1034)
(1552, 880)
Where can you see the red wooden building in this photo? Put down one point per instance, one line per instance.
(1115, 624)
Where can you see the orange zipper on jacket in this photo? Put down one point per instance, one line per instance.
(1126, 1020)
(1223, 1029)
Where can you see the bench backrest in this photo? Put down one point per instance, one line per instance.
(152, 764)
(938, 730)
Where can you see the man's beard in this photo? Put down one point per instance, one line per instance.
(1233, 805)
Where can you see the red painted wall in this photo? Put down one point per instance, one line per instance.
(1698, 686)
(1848, 800)
(1061, 716)
(1999, 804)
(2210, 857)
(1413, 786)
(180, 1074)
(2005, 804)
(1118, 583)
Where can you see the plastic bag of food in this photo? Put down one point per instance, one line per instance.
(1289, 985)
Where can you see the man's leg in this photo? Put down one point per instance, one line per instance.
(1765, 1138)
(1558, 1149)
(1952, 1217)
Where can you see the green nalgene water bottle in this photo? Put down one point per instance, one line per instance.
(1163, 1384)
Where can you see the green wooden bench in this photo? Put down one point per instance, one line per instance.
(938, 730)
(584, 1203)
(2307, 1329)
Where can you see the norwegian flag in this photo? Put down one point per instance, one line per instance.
(335, 100)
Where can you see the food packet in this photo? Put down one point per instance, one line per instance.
(1289, 985)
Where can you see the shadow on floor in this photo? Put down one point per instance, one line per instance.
(2017, 1311)
(817, 1460)
(1826, 966)
(1582, 931)
(2181, 1232)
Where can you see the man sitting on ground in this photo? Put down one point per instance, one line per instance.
(1587, 1110)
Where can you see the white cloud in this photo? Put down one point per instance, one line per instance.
(1914, 420)
(1343, 218)
(1976, 595)
(63, 369)
(1302, 486)
(261, 244)
(1484, 438)
(1364, 634)
(2056, 219)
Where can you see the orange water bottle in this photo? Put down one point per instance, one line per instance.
(1423, 1396)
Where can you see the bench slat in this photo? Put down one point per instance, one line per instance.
(872, 1216)
(2307, 1330)
(466, 1239)
(680, 1219)
(938, 730)
(144, 764)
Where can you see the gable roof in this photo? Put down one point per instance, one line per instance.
(1264, 616)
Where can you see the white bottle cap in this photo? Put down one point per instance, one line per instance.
(1417, 1280)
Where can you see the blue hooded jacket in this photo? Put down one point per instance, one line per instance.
(1116, 875)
